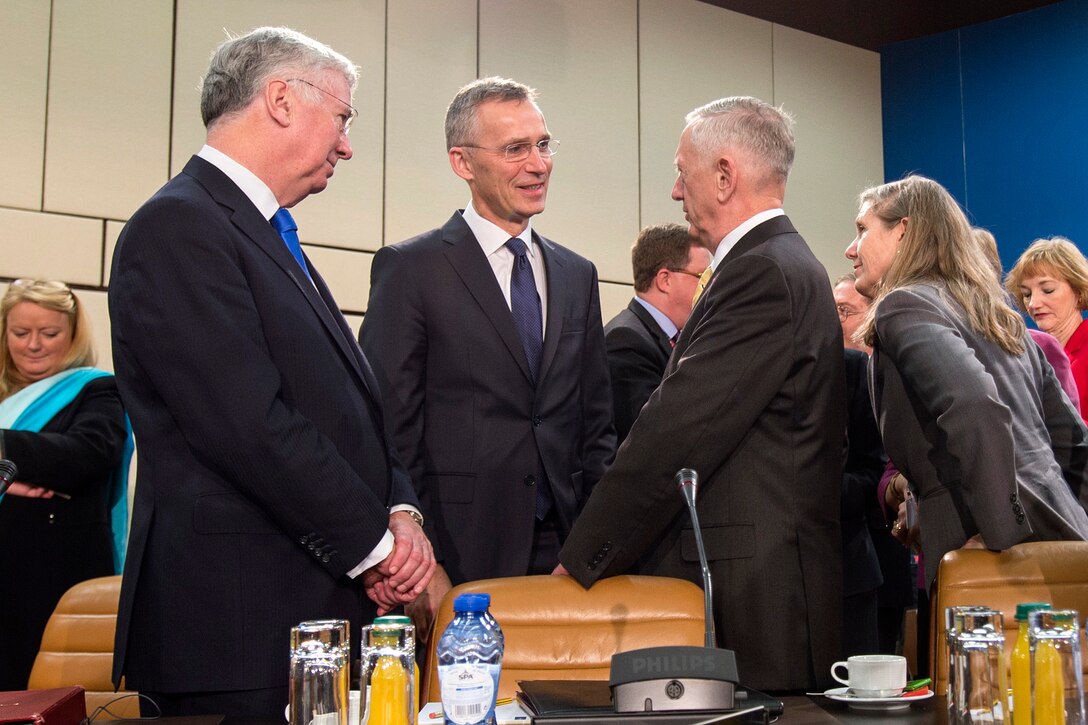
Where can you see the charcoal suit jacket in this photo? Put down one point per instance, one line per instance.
(753, 400)
(638, 350)
(477, 433)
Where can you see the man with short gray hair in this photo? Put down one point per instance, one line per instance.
(268, 492)
(752, 399)
(488, 341)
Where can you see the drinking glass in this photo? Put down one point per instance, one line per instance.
(1057, 687)
(319, 673)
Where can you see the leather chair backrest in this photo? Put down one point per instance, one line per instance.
(554, 629)
(77, 646)
(1042, 571)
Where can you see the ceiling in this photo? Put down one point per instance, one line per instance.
(873, 23)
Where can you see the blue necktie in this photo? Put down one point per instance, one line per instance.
(285, 225)
(525, 305)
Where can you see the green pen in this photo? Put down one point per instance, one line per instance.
(917, 684)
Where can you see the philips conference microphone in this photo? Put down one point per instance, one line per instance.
(8, 472)
(682, 677)
(687, 480)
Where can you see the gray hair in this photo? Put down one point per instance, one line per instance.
(748, 124)
(461, 114)
(241, 66)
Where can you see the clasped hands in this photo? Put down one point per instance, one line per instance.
(403, 575)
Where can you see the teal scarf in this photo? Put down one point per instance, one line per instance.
(35, 405)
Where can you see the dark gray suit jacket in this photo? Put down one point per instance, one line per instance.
(988, 440)
(264, 474)
(638, 350)
(474, 431)
(753, 399)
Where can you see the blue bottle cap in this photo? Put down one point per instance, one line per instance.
(471, 602)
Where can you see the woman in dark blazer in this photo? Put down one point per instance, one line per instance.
(967, 405)
(62, 424)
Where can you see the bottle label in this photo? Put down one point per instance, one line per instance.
(468, 692)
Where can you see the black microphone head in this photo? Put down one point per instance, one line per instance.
(8, 470)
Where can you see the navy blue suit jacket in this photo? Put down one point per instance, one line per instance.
(264, 474)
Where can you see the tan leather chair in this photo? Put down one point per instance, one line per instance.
(554, 629)
(1042, 571)
(77, 646)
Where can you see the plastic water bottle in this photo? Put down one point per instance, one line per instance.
(469, 662)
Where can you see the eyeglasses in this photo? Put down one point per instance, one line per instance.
(696, 275)
(345, 120)
(515, 152)
(845, 312)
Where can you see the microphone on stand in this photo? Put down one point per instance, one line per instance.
(8, 472)
(687, 480)
(683, 677)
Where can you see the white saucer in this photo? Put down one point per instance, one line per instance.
(841, 694)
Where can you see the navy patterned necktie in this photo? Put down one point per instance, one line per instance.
(525, 305)
(283, 222)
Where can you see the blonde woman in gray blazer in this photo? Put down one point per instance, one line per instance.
(968, 407)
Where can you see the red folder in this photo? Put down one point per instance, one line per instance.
(58, 706)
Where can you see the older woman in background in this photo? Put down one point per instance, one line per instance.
(968, 408)
(1050, 283)
(63, 425)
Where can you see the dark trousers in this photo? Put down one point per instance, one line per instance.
(265, 704)
(546, 544)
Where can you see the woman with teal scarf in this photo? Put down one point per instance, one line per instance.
(63, 425)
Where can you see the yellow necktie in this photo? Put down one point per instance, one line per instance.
(704, 280)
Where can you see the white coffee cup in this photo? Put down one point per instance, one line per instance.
(873, 675)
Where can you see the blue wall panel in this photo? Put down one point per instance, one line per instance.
(1025, 105)
(920, 94)
(998, 113)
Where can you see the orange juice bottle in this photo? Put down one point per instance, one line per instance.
(388, 685)
(1020, 665)
(402, 620)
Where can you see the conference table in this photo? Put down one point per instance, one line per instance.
(799, 710)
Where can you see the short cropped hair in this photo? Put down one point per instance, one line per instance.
(55, 296)
(659, 246)
(749, 124)
(241, 66)
(1056, 256)
(461, 113)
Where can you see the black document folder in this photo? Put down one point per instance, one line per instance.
(559, 702)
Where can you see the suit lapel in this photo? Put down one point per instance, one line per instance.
(651, 326)
(249, 222)
(557, 297)
(757, 235)
(468, 260)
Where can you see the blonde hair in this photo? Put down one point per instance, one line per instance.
(1057, 256)
(938, 246)
(55, 296)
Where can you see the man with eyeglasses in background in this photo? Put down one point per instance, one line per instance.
(865, 532)
(852, 306)
(488, 342)
(666, 263)
(268, 492)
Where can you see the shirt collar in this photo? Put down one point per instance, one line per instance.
(255, 190)
(662, 321)
(492, 237)
(737, 234)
